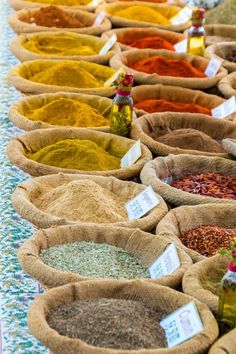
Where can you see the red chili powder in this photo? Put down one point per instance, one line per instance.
(153, 42)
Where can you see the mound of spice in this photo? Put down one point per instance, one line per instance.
(153, 42)
(190, 139)
(76, 154)
(231, 56)
(52, 16)
(83, 200)
(67, 111)
(142, 13)
(208, 240)
(210, 184)
(110, 323)
(166, 67)
(62, 2)
(224, 13)
(97, 260)
(161, 105)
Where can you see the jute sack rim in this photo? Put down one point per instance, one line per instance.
(22, 122)
(122, 59)
(227, 85)
(152, 174)
(185, 218)
(22, 201)
(225, 344)
(20, 26)
(230, 146)
(173, 121)
(134, 241)
(124, 22)
(217, 30)
(30, 87)
(150, 30)
(219, 50)
(18, 147)
(151, 294)
(24, 54)
(176, 3)
(21, 4)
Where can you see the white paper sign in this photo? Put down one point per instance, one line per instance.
(213, 67)
(132, 155)
(108, 45)
(182, 16)
(181, 47)
(225, 109)
(94, 3)
(166, 264)
(114, 77)
(99, 19)
(142, 204)
(182, 324)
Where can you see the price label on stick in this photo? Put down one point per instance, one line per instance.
(182, 324)
(181, 47)
(182, 16)
(213, 67)
(108, 45)
(99, 19)
(132, 155)
(166, 264)
(114, 77)
(142, 204)
(225, 109)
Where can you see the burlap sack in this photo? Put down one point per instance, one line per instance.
(151, 126)
(230, 146)
(19, 110)
(23, 4)
(168, 11)
(23, 54)
(219, 33)
(185, 218)
(19, 26)
(24, 196)
(37, 139)
(19, 77)
(134, 55)
(159, 172)
(221, 50)
(156, 296)
(225, 344)
(227, 85)
(132, 34)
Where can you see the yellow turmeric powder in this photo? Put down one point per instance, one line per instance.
(76, 154)
(62, 2)
(66, 111)
(142, 13)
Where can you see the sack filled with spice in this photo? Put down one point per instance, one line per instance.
(68, 254)
(188, 179)
(74, 150)
(42, 76)
(61, 45)
(63, 4)
(226, 51)
(113, 308)
(200, 230)
(219, 33)
(62, 109)
(183, 133)
(227, 85)
(229, 145)
(224, 13)
(141, 14)
(55, 19)
(151, 66)
(142, 38)
(225, 344)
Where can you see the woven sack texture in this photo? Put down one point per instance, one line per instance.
(19, 26)
(20, 109)
(151, 126)
(20, 74)
(156, 296)
(35, 140)
(134, 241)
(132, 34)
(221, 50)
(124, 58)
(24, 196)
(24, 4)
(227, 85)
(185, 218)
(225, 344)
(230, 146)
(166, 10)
(159, 172)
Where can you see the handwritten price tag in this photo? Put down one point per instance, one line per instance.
(182, 16)
(99, 19)
(182, 324)
(181, 47)
(131, 156)
(225, 109)
(213, 67)
(108, 45)
(114, 77)
(166, 264)
(142, 204)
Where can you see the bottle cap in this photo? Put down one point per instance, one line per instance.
(125, 83)
(198, 16)
(232, 267)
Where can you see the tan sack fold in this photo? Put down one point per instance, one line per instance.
(230, 146)
(227, 85)
(221, 50)
(225, 344)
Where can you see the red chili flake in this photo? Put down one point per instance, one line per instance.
(210, 184)
(208, 240)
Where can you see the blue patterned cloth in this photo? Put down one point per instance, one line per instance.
(207, 4)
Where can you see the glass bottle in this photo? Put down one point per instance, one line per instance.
(196, 33)
(122, 110)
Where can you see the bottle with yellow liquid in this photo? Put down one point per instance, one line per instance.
(122, 106)
(196, 33)
(227, 296)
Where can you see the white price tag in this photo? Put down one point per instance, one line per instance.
(182, 324)
(132, 155)
(182, 16)
(114, 77)
(225, 109)
(94, 3)
(99, 19)
(166, 264)
(142, 204)
(213, 67)
(181, 47)
(108, 45)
